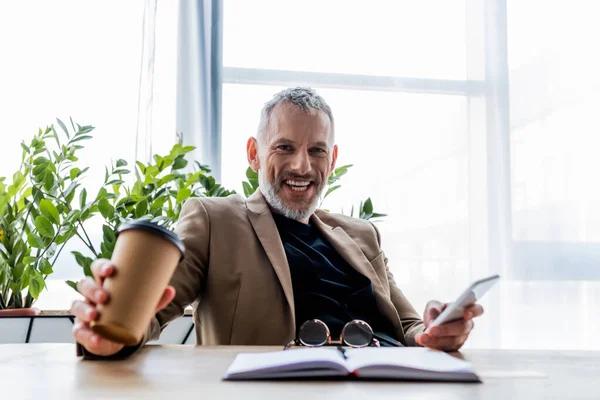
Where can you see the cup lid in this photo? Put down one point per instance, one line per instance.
(156, 229)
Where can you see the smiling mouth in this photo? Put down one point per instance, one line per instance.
(298, 186)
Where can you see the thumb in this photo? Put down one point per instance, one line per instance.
(167, 297)
(432, 310)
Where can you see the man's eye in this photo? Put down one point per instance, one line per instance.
(317, 150)
(285, 147)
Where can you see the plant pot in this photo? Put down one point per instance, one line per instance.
(34, 326)
(19, 312)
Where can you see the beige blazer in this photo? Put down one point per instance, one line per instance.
(236, 275)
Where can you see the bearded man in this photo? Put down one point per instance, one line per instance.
(257, 269)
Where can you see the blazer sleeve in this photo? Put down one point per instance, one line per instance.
(412, 324)
(193, 228)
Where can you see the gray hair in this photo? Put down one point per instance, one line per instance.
(305, 98)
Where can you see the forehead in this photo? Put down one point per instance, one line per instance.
(289, 122)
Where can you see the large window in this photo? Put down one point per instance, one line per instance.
(476, 176)
(554, 140)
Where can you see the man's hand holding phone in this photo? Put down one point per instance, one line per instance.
(449, 336)
(447, 325)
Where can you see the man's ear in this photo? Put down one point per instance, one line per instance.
(334, 155)
(252, 154)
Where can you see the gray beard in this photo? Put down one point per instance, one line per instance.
(270, 194)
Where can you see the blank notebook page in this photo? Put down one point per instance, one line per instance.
(407, 357)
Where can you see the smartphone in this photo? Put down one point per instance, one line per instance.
(455, 311)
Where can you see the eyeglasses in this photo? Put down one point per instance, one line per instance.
(315, 333)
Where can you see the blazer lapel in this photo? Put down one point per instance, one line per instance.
(263, 224)
(350, 251)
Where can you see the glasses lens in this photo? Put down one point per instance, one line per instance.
(313, 333)
(357, 334)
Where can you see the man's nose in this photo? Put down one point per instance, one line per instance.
(300, 163)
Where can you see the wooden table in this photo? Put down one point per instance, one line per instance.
(52, 371)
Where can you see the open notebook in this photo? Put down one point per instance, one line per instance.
(404, 363)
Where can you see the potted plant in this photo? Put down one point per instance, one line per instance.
(37, 219)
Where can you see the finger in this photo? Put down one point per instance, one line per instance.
(446, 343)
(432, 310)
(454, 328)
(83, 311)
(473, 311)
(102, 268)
(84, 335)
(92, 291)
(93, 342)
(167, 297)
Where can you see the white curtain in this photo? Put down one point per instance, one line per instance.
(199, 80)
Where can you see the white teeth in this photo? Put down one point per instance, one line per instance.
(299, 189)
(297, 183)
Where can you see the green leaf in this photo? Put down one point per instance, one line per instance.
(80, 138)
(72, 284)
(180, 162)
(41, 160)
(44, 226)
(157, 204)
(74, 173)
(337, 174)
(108, 234)
(85, 129)
(103, 250)
(183, 195)
(247, 189)
(28, 260)
(84, 262)
(115, 182)
(167, 178)
(141, 208)
(330, 190)
(187, 149)
(70, 192)
(45, 267)
(26, 194)
(25, 148)
(35, 241)
(39, 150)
(105, 208)
(82, 198)
(34, 288)
(50, 211)
(250, 173)
(141, 166)
(63, 127)
(72, 216)
(48, 181)
(17, 271)
(151, 172)
(368, 207)
(377, 215)
(121, 171)
(26, 276)
(121, 163)
(36, 284)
